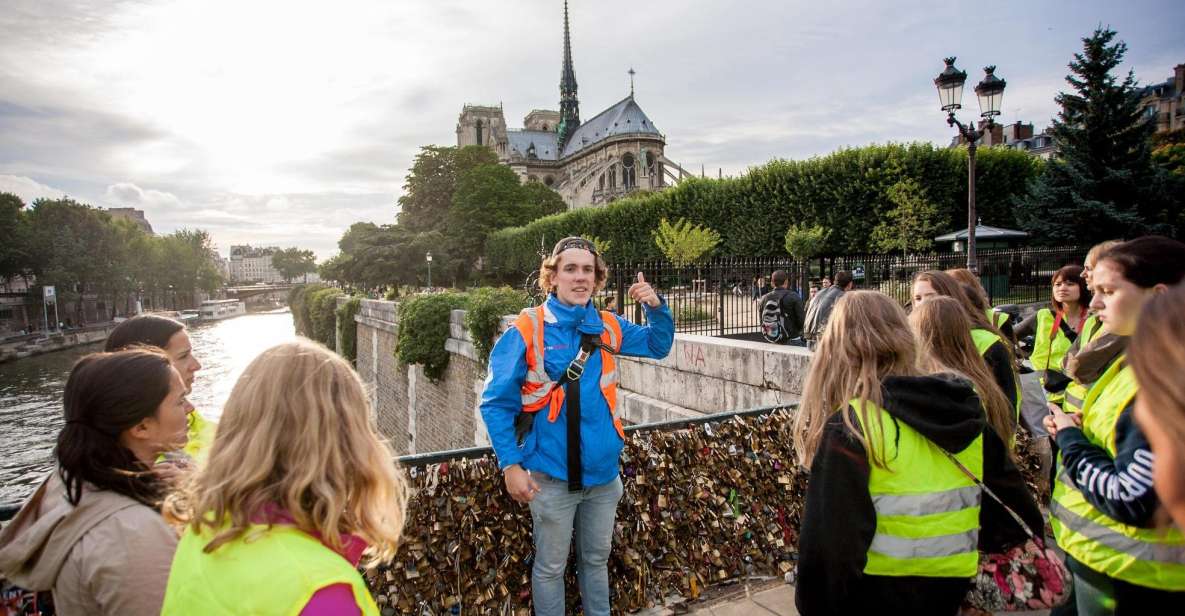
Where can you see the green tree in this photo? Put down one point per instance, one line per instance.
(487, 198)
(428, 188)
(683, 243)
(1103, 183)
(544, 200)
(803, 242)
(294, 262)
(912, 224)
(14, 256)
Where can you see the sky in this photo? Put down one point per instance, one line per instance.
(282, 123)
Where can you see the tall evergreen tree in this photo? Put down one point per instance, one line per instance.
(1103, 184)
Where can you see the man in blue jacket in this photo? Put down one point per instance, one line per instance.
(568, 483)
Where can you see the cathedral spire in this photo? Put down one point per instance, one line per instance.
(569, 104)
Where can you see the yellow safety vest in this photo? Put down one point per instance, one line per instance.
(268, 571)
(1144, 556)
(984, 339)
(201, 434)
(1076, 392)
(927, 510)
(999, 318)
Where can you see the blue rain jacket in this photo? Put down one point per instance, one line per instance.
(545, 448)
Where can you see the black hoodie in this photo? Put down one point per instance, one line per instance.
(840, 520)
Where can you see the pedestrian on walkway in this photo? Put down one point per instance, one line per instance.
(820, 309)
(1104, 502)
(297, 486)
(549, 407)
(781, 312)
(172, 337)
(989, 340)
(92, 532)
(891, 523)
(1158, 361)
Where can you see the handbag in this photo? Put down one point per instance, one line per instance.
(1028, 576)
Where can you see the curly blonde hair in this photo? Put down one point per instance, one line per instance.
(296, 433)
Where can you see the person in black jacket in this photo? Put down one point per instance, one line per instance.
(790, 306)
(867, 358)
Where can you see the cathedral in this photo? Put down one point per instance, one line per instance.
(617, 152)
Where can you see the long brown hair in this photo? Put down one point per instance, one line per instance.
(107, 394)
(946, 285)
(972, 287)
(296, 433)
(945, 345)
(866, 339)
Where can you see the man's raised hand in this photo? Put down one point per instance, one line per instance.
(642, 292)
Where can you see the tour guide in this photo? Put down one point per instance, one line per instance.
(558, 445)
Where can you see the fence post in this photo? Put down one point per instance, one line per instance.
(617, 280)
(720, 267)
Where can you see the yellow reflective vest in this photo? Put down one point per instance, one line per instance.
(1144, 556)
(266, 572)
(984, 339)
(1076, 392)
(927, 510)
(201, 434)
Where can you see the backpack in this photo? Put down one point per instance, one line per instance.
(773, 324)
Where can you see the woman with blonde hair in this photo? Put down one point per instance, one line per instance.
(891, 519)
(989, 341)
(1158, 360)
(296, 488)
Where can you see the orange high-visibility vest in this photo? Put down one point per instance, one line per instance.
(539, 390)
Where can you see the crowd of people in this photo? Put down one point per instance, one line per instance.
(909, 424)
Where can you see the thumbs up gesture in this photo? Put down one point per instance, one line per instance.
(642, 292)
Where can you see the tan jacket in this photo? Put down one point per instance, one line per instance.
(108, 555)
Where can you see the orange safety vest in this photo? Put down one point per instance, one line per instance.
(539, 390)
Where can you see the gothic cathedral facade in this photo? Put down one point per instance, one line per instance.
(617, 152)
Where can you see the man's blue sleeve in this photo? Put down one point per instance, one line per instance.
(651, 340)
(501, 400)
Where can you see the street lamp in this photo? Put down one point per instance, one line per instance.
(428, 257)
(990, 92)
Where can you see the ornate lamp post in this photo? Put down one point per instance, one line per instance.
(428, 257)
(990, 92)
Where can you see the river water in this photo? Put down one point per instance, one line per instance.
(31, 391)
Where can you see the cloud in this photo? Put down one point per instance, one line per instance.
(28, 189)
(130, 195)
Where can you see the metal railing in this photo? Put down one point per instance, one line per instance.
(720, 298)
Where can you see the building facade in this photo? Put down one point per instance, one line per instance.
(251, 264)
(617, 152)
(132, 214)
(1165, 102)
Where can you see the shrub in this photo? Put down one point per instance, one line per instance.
(347, 329)
(690, 314)
(487, 306)
(423, 330)
(322, 309)
(298, 298)
(846, 192)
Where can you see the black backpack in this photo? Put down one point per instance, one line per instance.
(773, 320)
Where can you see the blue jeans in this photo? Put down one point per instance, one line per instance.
(555, 512)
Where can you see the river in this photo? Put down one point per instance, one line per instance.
(31, 391)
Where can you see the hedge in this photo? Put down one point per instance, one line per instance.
(347, 329)
(484, 312)
(322, 309)
(424, 328)
(298, 303)
(844, 192)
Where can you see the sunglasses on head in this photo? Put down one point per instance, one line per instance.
(577, 242)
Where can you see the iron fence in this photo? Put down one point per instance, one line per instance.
(720, 298)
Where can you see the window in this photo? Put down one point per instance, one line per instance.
(628, 172)
(478, 126)
(549, 181)
(5, 313)
(545, 126)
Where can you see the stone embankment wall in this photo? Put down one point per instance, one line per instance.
(29, 346)
(702, 375)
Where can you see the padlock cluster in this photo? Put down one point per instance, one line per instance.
(710, 504)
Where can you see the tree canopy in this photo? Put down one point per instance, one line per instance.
(1103, 183)
(294, 262)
